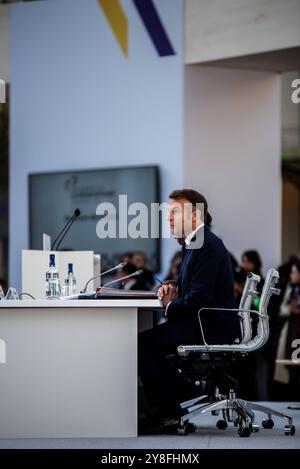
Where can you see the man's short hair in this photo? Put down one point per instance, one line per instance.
(194, 197)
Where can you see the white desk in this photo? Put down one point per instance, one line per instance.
(71, 368)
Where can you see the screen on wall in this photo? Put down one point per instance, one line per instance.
(55, 196)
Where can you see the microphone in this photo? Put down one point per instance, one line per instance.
(61, 235)
(119, 266)
(134, 274)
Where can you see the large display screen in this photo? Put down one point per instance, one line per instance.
(55, 196)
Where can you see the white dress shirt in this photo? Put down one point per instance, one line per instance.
(190, 236)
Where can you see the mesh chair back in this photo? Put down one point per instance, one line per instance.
(263, 331)
(248, 294)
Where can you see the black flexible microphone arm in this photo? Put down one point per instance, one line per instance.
(61, 232)
(61, 235)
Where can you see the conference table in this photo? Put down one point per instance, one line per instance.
(70, 367)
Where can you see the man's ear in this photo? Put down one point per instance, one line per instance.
(197, 215)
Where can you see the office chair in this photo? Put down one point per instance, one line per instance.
(220, 388)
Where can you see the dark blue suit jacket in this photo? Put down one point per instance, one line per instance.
(206, 280)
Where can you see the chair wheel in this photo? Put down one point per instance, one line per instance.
(191, 427)
(221, 424)
(254, 427)
(186, 429)
(182, 430)
(289, 430)
(268, 423)
(244, 431)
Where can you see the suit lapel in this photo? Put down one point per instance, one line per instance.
(187, 253)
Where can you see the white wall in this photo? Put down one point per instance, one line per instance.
(77, 102)
(219, 29)
(233, 155)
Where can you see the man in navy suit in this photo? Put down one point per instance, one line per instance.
(205, 280)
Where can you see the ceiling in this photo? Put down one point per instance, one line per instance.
(282, 60)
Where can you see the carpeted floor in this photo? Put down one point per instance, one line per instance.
(207, 436)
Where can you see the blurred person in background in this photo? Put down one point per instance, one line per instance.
(175, 265)
(140, 261)
(289, 317)
(107, 263)
(131, 283)
(125, 257)
(239, 278)
(285, 271)
(251, 262)
(4, 285)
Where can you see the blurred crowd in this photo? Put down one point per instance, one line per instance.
(269, 373)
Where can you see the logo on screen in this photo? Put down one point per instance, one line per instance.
(71, 182)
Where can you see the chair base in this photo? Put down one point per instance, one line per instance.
(234, 410)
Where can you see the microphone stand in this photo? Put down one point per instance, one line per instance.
(119, 266)
(134, 274)
(65, 229)
(65, 232)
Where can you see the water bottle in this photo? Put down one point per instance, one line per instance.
(52, 280)
(69, 287)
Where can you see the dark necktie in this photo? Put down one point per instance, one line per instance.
(183, 253)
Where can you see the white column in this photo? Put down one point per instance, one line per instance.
(232, 155)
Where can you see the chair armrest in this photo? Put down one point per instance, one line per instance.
(238, 310)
